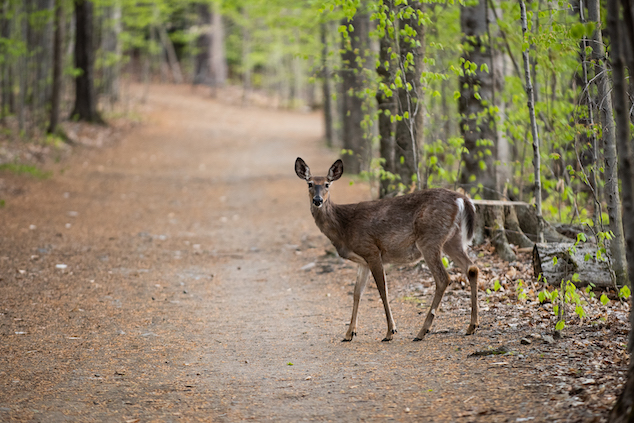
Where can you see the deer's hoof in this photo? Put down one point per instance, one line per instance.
(348, 338)
(386, 339)
(471, 329)
(417, 339)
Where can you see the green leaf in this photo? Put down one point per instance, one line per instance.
(580, 311)
(496, 285)
(577, 31)
(560, 325)
(604, 299)
(445, 262)
(625, 292)
(289, 363)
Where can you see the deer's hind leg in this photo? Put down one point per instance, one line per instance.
(434, 262)
(362, 279)
(455, 250)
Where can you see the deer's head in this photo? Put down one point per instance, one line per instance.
(318, 186)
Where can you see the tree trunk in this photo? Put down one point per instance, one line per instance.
(85, 96)
(623, 411)
(409, 129)
(325, 80)
(617, 244)
(202, 60)
(477, 91)
(354, 56)
(246, 60)
(217, 56)
(171, 54)
(22, 72)
(58, 66)
(387, 109)
(478, 87)
(534, 131)
(115, 80)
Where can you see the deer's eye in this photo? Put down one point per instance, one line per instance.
(327, 185)
(310, 185)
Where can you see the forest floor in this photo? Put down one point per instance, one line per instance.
(177, 275)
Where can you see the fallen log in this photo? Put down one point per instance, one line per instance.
(570, 260)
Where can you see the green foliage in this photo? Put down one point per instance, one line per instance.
(624, 292)
(445, 262)
(496, 285)
(23, 169)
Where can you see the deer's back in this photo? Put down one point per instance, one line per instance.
(394, 225)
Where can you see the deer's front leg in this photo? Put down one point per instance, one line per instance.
(376, 267)
(362, 279)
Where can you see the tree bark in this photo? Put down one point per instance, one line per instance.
(354, 56)
(569, 261)
(534, 131)
(387, 109)
(202, 60)
(217, 56)
(409, 129)
(246, 60)
(325, 80)
(623, 410)
(58, 66)
(85, 96)
(477, 88)
(617, 244)
(171, 54)
(477, 125)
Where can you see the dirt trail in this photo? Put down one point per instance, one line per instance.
(182, 298)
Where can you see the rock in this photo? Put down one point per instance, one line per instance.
(548, 339)
(490, 351)
(308, 266)
(525, 341)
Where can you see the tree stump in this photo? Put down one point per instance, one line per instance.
(570, 260)
(527, 218)
(501, 225)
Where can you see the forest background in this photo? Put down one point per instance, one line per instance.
(507, 101)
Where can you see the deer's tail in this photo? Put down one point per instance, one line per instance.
(466, 219)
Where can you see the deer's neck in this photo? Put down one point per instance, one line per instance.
(328, 221)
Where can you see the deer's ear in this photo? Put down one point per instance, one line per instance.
(301, 169)
(336, 170)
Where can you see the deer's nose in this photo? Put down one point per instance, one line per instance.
(318, 201)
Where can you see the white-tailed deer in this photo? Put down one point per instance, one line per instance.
(402, 229)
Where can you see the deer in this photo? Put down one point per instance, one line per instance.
(398, 230)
